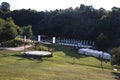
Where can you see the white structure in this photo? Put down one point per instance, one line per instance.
(53, 40)
(95, 53)
(24, 38)
(38, 53)
(115, 69)
(39, 38)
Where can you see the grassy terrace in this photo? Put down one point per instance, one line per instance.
(65, 64)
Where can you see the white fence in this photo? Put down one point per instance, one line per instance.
(75, 43)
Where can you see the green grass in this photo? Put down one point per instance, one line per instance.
(64, 65)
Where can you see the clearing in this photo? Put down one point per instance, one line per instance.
(65, 64)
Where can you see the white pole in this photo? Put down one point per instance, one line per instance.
(39, 38)
(53, 40)
(24, 38)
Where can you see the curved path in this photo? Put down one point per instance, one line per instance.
(16, 48)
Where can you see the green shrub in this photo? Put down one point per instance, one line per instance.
(12, 43)
(115, 56)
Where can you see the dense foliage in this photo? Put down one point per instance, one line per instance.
(102, 43)
(115, 56)
(5, 6)
(27, 30)
(84, 22)
(8, 30)
(12, 43)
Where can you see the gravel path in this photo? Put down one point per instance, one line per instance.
(16, 48)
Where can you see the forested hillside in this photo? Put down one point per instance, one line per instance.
(84, 22)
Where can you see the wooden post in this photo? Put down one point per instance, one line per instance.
(102, 62)
(24, 43)
(24, 47)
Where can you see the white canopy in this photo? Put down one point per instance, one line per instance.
(38, 53)
(95, 53)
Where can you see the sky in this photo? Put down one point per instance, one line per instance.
(42, 5)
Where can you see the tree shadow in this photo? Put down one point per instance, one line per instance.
(73, 52)
(4, 55)
(70, 51)
(117, 75)
(30, 57)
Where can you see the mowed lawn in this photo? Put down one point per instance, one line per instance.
(66, 64)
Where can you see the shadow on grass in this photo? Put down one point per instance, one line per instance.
(97, 66)
(73, 52)
(4, 54)
(117, 75)
(30, 57)
(70, 51)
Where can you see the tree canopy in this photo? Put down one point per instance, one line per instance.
(102, 43)
(5, 6)
(9, 30)
(115, 56)
(27, 31)
(84, 22)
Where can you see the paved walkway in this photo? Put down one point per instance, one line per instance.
(16, 48)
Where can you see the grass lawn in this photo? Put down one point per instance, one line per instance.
(64, 65)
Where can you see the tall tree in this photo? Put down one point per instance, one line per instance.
(8, 30)
(102, 42)
(115, 56)
(5, 6)
(27, 31)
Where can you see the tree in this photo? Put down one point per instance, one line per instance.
(84, 22)
(5, 6)
(8, 30)
(115, 56)
(8, 33)
(18, 29)
(27, 31)
(102, 42)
